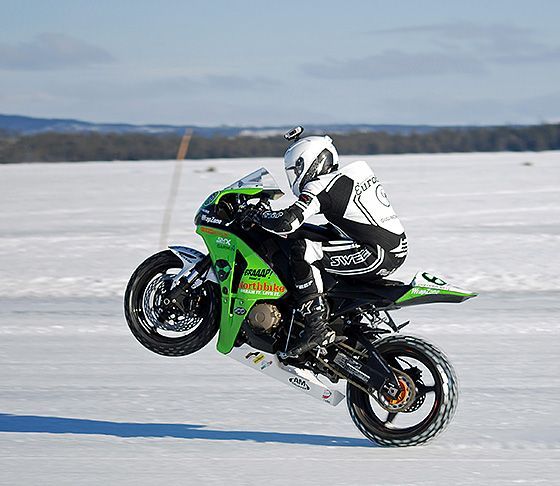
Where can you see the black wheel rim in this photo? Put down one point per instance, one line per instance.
(429, 399)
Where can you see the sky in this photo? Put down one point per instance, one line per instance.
(256, 63)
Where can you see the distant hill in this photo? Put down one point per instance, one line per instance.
(26, 125)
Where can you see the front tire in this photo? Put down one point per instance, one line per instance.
(434, 404)
(164, 329)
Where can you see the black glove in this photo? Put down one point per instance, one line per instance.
(250, 216)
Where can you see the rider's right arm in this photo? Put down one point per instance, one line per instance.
(286, 221)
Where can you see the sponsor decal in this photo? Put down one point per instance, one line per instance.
(382, 196)
(351, 365)
(299, 382)
(223, 269)
(273, 214)
(418, 291)
(352, 259)
(433, 279)
(265, 288)
(362, 187)
(265, 365)
(250, 355)
(211, 198)
(212, 231)
(220, 240)
(258, 359)
(388, 218)
(240, 311)
(304, 285)
(326, 394)
(257, 272)
(211, 219)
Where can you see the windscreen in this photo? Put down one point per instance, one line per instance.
(261, 179)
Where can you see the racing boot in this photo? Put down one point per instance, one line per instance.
(315, 313)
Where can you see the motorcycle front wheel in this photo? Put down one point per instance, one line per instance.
(164, 328)
(435, 396)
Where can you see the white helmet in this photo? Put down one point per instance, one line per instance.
(309, 158)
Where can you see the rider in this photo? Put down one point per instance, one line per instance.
(372, 242)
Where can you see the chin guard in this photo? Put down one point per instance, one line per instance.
(293, 134)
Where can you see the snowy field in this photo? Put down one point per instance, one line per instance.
(81, 402)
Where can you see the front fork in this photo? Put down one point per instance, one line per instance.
(195, 265)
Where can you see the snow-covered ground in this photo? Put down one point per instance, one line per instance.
(81, 402)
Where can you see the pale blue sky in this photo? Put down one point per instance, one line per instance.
(282, 62)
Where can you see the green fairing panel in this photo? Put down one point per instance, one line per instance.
(258, 282)
(419, 295)
(427, 288)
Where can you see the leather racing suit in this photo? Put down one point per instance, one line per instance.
(372, 244)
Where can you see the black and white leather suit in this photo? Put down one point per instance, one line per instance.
(372, 245)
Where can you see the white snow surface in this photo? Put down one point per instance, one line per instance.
(81, 402)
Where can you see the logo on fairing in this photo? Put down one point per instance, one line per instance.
(220, 240)
(223, 269)
(257, 272)
(211, 198)
(240, 311)
(418, 291)
(211, 219)
(433, 279)
(353, 259)
(265, 288)
(299, 382)
(265, 365)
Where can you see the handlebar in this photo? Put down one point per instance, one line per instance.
(246, 210)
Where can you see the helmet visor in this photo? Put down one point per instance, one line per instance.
(294, 171)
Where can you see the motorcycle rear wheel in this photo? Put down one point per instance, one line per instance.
(165, 329)
(434, 405)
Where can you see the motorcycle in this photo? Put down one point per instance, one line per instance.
(400, 390)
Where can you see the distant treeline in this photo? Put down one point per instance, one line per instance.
(55, 147)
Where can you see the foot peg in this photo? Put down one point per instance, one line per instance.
(297, 351)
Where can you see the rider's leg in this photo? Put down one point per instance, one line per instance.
(356, 260)
(312, 306)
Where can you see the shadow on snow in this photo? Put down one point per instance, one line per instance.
(60, 425)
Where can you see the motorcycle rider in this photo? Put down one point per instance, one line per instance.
(372, 244)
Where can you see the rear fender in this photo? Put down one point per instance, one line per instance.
(427, 288)
(190, 257)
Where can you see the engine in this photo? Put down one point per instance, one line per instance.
(264, 317)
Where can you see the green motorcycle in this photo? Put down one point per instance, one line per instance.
(400, 390)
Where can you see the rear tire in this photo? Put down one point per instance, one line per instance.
(400, 352)
(161, 330)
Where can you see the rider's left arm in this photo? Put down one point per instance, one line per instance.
(286, 221)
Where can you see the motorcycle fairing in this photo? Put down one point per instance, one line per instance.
(300, 379)
(427, 288)
(244, 278)
(190, 257)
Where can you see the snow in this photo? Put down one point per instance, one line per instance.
(81, 402)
